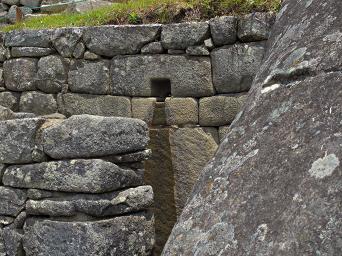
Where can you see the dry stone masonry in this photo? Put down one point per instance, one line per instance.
(74, 186)
(186, 81)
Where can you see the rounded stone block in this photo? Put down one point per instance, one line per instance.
(223, 30)
(94, 136)
(38, 103)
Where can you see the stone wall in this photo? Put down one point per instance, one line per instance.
(74, 186)
(186, 81)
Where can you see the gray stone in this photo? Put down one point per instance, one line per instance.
(197, 51)
(6, 114)
(13, 241)
(223, 30)
(23, 115)
(10, 100)
(65, 40)
(218, 110)
(115, 40)
(86, 6)
(50, 7)
(102, 205)
(28, 38)
(12, 13)
(37, 194)
(153, 48)
(191, 149)
(38, 103)
(255, 26)
(4, 7)
(89, 77)
(212, 132)
(79, 50)
(4, 53)
(189, 76)
(94, 136)
(234, 67)
(30, 52)
(52, 74)
(274, 186)
(85, 176)
(183, 35)
(144, 108)
(31, 3)
(77, 104)
(91, 56)
(17, 140)
(11, 2)
(12, 201)
(20, 74)
(127, 235)
(181, 111)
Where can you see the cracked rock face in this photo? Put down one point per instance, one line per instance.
(274, 186)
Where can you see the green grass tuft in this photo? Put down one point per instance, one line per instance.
(148, 11)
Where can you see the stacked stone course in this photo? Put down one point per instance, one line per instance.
(186, 81)
(74, 186)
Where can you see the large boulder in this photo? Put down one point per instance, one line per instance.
(126, 235)
(85, 176)
(274, 186)
(28, 38)
(94, 136)
(119, 40)
(155, 74)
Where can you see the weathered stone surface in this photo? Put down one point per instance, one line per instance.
(234, 67)
(30, 52)
(255, 26)
(223, 30)
(277, 190)
(13, 241)
(181, 111)
(6, 114)
(183, 35)
(127, 235)
(10, 100)
(87, 176)
(115, 40)
(79, 50)
(11, 2)
(38, 103)
(17, 140)
(65, 40)
(52, 74)
(209, 43)
(77, 104)
(23, 115)
(20, 74)
(12, 201)
(197, 51)
(212, 132)
(218, 110)
(175, 51)
(159, 174)
(94, 136)
(28, 38)
(31, 3)
(189, 76)
(191, 149)
(5, 221)
(89, 77)
(153, 48)
(102, 205)
(143, 108)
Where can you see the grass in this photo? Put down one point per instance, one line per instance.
(149, 11)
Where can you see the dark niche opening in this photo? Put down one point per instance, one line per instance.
(161, 88)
